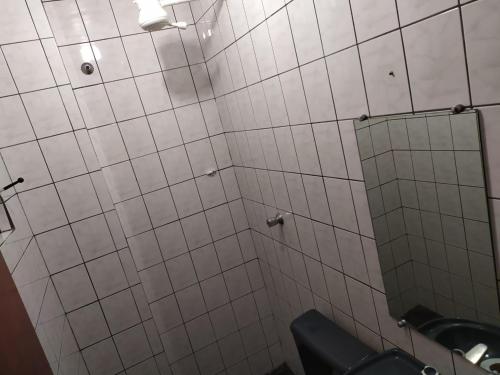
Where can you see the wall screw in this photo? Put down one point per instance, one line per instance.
(459, 108)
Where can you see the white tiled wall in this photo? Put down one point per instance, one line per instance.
(288, 81)
(128, 257)
(145, 263)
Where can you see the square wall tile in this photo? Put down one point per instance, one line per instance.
(108, 144)
(107, 275)
(145, 250)
(102, 358)
(181, 271)
(121, 181)
(176, 165)
(124, 99)
(98, 19)
(16, 23)
(134, 216)
(156, 282)
(112, 61)
(262, 46)
(186, 198)
(385, 76)
(93, 237)
(306, 149)
(414, 10)
(95, 106)
(202, 81)
(171, 240)
(63, 156)
(73, 57)
(7, 85)
(200, 332)
(238, 17)
(133, 345)
(191, 123)
(318, 92)
(29, 66)
(215, 292)
(160, 207)
(79, 198)
(191, 44)
(137, 137)
(335, 24)
(176, 343)
(191, 302)
(306, 34)
(316, 198)
(141, 54)
(165, 130)
(248, 60)
(13, 112)
(341, 204)
(74, 288)
(66, 22)
(374, 18)
(219, 221)
(153, 92)
(196, 230)
(55, 61)
(329, 145)
(347, 83)
(235, 66)
(126, 17)
(120, 311)
(205, 262)
(26, 160)
(59, 249)
(47, 113)
(43, 209)
(88, 324)
(436, 62)
(201, 157)
(166, 314)
(294, 97)
(482, 58)
(149, 172)
(170, 49)
(181, 87)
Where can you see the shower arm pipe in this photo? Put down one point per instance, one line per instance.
(166, 3)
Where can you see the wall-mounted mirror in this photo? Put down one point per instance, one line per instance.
(426, 190)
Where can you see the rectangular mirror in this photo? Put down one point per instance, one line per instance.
(426, 190)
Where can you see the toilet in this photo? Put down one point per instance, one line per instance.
(324, 347)
(327, 349)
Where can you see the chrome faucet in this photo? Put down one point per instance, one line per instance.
(476, 353)
(278, 219)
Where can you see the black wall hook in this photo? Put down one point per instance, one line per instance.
(20, 180)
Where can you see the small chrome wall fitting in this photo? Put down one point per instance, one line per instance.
(459, 108)
(278, 219)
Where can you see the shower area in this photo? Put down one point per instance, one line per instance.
(190, 188)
